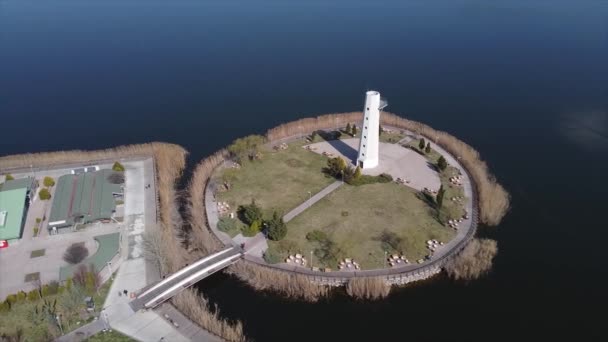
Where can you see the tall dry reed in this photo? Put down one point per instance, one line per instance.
(202, 237)
(287, 283)
(368, 288)
(196, 307)
(474, 260)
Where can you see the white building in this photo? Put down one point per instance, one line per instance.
(370, 131)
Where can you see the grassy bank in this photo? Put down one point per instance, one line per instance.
(368, 288)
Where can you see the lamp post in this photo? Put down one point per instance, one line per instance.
(311, 260)
(385, 257)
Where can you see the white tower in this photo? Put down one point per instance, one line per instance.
(370, 135)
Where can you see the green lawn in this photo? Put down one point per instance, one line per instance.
(70, 304)
(363, 222)
(279, 181)
(112, 336)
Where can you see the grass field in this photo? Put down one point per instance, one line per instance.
(279, 181)
(363, 222)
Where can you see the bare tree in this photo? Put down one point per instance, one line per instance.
(75, 253)
(153, 248)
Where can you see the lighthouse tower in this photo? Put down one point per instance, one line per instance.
(370, 135)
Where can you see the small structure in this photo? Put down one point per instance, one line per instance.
(370, 130)
(15, 198)
(83, 198)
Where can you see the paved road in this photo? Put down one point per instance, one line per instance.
(314, 199)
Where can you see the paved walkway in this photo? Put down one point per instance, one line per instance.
(314, 199)
(84, 331)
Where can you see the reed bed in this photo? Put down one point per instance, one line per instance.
(289, 284)
(196, 307)
(202, 238)
(493, 198)
(368, 288)
(474, 260)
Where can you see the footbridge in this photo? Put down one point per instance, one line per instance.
(165, 289)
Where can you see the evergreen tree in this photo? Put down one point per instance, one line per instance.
(354, 130)
(442, 164)
(277, 229)
(428, 148)
(250, 213)
(439, 198)
(421, 144)
(347, 130)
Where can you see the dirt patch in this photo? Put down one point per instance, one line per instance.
(294, 163)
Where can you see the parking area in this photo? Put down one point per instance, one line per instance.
(39, 258)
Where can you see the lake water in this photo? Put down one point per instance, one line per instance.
(525, 82)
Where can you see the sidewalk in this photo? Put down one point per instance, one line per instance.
(314, 199)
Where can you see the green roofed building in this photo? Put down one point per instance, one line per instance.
(84, 198)
(13, 208)
(28, 183)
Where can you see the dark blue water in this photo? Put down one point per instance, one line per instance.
(525, 82)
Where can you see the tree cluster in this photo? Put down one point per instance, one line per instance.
(247, 147)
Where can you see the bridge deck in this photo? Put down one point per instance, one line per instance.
(182, 279)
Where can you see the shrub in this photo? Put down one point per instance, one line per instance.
(11, 298)
(357, 173)
(44, 194)
(75, 253)
(246, 147)
(61, 289)
(8, 177)
(428, 148)
(277, 229)
(21, 296)
(317, 236)
(44, 292)
(48, 181)
(336, 167)
(228, 225)
(367, 179)
(442, 164)
(421, 144)
(38, 220)
(252, 229)
(68, 283)
(118, 167)
(250, 213)
(36, 231)
(5, 306)
(33, 296)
